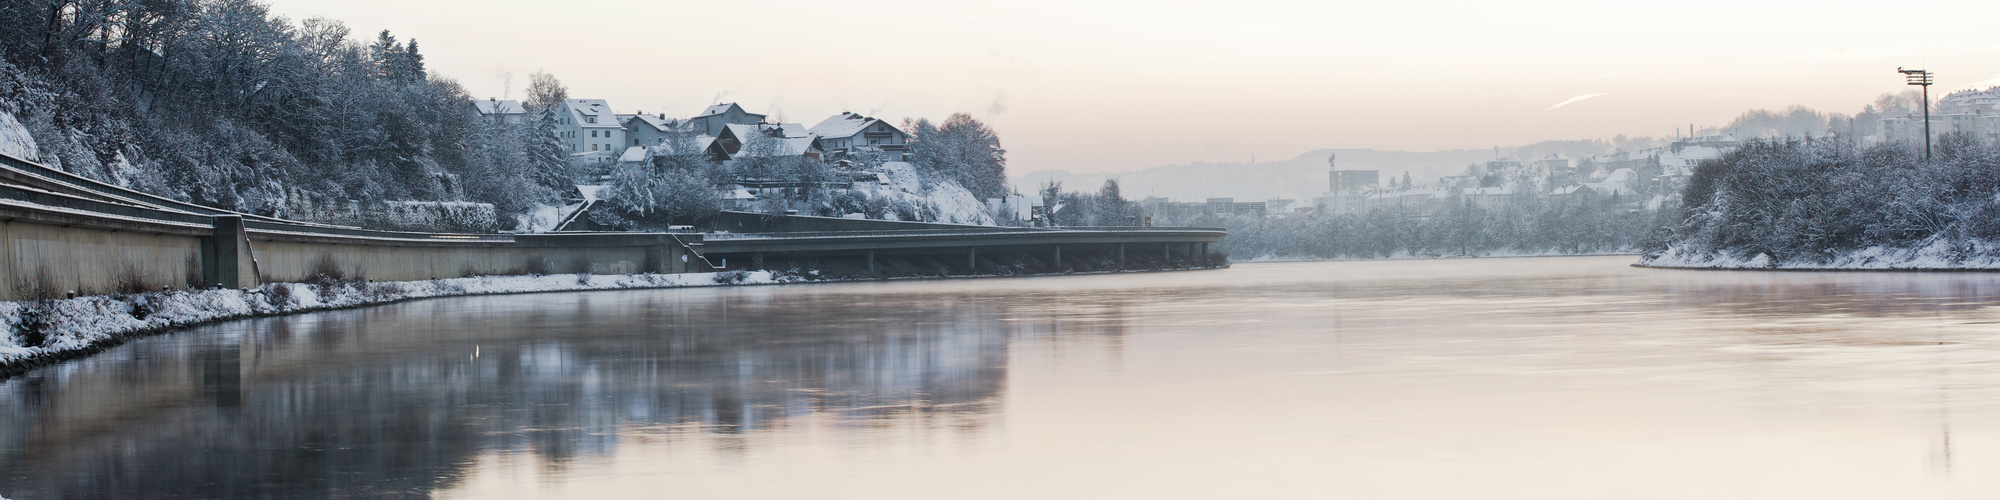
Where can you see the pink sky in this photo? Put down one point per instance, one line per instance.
(1112, 86)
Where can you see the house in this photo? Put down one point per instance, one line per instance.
(712, 120)
(1576, 193)
(1489, 197)
(849, 133)
(509, 112)
(648, 130)
(790, 139)
(589, 128)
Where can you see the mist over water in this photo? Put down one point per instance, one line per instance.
(1513, 378)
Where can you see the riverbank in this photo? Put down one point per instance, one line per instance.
(39, 333)
(1937, 254)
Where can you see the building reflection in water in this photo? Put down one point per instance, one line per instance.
(398, 400)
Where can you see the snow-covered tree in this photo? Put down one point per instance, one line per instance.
(548, 161)
(962, 150)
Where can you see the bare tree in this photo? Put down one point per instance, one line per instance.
(545, 92)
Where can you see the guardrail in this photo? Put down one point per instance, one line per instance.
(63, 201)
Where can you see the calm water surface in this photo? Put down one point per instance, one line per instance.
(1493, 378)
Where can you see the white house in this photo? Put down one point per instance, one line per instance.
(589, 127)
(849, 133)
(712, 120)
(510, 112)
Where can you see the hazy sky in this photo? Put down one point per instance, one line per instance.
(1107, 86)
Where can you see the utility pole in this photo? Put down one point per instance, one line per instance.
(1922, 78)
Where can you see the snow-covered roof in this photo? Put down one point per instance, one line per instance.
(594, 108)
(794, 130)
(496, 107)
(633, 154)
(660, 124)
(1621, 175)
(790, 146)
(845, 125)
(740, 131)
(717, 109)
(1489, 191)
(1570, 189)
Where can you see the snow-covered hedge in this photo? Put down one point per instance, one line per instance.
(46, 330)
(1828, 204)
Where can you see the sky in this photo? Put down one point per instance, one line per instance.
(1118, 86)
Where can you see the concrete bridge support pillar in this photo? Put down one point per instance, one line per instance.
(1121, 255)
(757, 261)
(871, 262)
(1058, 261)
(1204, 254)
(972, 257)
(226, 259)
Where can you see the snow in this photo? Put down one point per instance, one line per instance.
(589, 192)
(543, 218)
(634, 154)
(845, 125)
(81, 323)
(946, 200)
(491, 107)
(1931, 255)
(15, 141)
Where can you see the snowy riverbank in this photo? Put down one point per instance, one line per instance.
(1936, 254)
(40, 332)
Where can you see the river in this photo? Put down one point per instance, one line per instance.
(1574, 377)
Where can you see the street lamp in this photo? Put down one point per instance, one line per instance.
(1922, 78)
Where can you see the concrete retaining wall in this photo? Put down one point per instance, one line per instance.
(54, 244)
(291, 257)
(46, 261)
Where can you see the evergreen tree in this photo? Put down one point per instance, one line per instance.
(547, 158)
(412, 67)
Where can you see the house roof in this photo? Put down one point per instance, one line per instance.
(495, 107)
(634, 154)
(741, 132)
(845, 125)
(598, 108)
(717, 109)
(654, 121)
(1571, 189)
(794, 130)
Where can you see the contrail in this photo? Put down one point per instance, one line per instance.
(1572, 99)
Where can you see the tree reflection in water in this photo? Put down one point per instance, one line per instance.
(398, 400)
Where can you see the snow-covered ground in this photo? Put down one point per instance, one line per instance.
(948, 201)
(1933, 254)
(78, 324)
(15, 141)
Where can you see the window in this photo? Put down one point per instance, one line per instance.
(593, 147)
(590, 119)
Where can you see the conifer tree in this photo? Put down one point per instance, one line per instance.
(547, 159)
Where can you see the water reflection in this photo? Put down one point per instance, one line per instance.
(1541, 378)
(395, 400)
